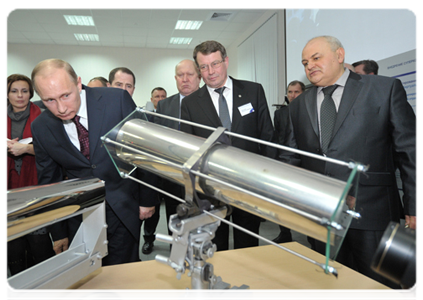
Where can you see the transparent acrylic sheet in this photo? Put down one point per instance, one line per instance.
(335, 237)
(340, 216)
(121, 166)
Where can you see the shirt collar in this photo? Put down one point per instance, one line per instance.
(227, 85)
(82, 112)
(341, 80)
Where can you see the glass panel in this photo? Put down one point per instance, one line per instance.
(341, 219)
(111, 147)
(164, 151)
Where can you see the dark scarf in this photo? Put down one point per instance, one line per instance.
(18, 120)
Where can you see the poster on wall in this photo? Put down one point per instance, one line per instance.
(403, 67)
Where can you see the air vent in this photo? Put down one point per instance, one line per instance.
(221, 16)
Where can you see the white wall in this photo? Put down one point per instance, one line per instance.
(233, 50)
(365, 33)
(152, 67)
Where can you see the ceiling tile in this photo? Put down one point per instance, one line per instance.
(52, 16)
(165, 14)
(19, 40)
(72, 41)
(41, 41)
(36, 35)
(151, 28)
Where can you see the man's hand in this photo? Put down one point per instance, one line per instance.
(410, 221)
(61, 245)
(146, 212)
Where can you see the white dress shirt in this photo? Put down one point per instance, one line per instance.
(70, 126)
(227, 93)
(337, 94)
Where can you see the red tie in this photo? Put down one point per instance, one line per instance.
(83, 137)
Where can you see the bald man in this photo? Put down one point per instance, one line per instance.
(373, 124)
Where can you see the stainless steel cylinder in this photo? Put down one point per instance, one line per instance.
(293, 197)
(30, 208)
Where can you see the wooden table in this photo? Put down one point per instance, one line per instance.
(264, 267)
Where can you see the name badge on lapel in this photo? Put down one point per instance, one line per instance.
(246, 109)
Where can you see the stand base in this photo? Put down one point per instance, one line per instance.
(222, 291)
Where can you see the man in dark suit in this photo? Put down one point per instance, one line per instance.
(122, 78)
(249, 115)
(281, 121)
(374, 124)
(294, 89)
(59, 154)
(366, 67)
(157, 94)
(188, 79)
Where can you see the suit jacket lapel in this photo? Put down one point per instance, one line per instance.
(206, 104)
(174, 110)
(311, 106)
(58, 132)
(349, 96)
(175, 106)
(95, 110)
(239, 98)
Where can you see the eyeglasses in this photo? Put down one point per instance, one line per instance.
(214, 65)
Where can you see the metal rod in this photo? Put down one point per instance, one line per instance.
(125, 175)
(326, 268)
(316, 156)
(331, 269)
(300, 212)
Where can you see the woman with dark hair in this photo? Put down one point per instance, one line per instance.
(20, 114)
(35, 247)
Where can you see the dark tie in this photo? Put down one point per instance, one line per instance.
(82, 137)
(327, 116)
(223, 109)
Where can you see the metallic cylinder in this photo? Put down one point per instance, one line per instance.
(284, 194)
(30, 208)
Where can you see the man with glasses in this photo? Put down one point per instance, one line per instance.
(241, 107)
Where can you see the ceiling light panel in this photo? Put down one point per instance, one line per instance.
(180, 41)
(188, 25)
(79, 20)
(83, 37)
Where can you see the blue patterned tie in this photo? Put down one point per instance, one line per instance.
(327, 116)
(223, 109)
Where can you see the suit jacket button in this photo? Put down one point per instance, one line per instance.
(93, 166)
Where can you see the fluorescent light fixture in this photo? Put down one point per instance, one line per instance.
(180, 41)
(188, 25)
(79, 20)
(84, 37)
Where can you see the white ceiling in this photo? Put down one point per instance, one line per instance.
(145, 28)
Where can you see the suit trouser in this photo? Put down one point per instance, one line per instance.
(173, 188)
(150, 225)
(285, 234)
(357, 252)
(122, 246)
(241, 239)
(27, 251)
